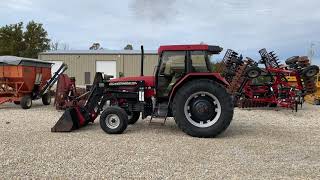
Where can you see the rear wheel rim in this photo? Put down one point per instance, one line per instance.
(112, 121)
(202, 109)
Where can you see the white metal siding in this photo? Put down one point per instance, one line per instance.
(107, 67)
(78, 64)
(55, 66)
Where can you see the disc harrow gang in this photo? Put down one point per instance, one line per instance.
(252, 86)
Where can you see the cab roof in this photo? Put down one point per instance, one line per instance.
(191, 47)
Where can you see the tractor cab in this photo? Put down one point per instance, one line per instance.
(176, 61)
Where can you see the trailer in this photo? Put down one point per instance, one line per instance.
(23, 80)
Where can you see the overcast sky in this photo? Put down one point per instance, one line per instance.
(288, 27)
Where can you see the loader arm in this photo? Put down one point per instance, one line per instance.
(78, 116)
(96, 99)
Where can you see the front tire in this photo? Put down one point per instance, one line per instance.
(203, 108)
(114, 120)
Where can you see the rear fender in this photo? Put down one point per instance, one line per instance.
(192, 76)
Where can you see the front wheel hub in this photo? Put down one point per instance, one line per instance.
(112, 121)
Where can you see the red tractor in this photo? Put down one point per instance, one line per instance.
(183, 87)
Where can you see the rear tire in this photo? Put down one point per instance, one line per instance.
(114, 120)
(133, 117)
(46, 99)
(26, 102)
(203, 108)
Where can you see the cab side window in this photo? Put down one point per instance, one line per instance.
(171, 70)
(198, 62)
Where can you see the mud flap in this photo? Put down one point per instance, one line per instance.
(70, 120)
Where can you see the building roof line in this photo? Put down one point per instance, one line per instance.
(98, 52)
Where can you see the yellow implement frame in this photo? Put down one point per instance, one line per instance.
(313, 98)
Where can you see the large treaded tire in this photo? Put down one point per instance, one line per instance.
(292, 60)
(133, 117)
(114, 112)
(26, 102)
(310, 71)
(211, 87)
(46, 99)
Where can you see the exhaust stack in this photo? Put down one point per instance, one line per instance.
(142, 59)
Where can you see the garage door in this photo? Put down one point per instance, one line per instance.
(107, 67)
(55, 66)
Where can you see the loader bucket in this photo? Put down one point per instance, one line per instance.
(70, 120)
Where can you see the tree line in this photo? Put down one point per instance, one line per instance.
(29, 41)
(16, 40)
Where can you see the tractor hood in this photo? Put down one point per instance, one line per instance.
(149, 80)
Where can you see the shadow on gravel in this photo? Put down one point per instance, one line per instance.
(238, 130)
(18, 107)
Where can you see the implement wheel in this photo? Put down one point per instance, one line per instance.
(253, 72)
(26, 102)
(310, 71)
(203, 108)
(46, 99)
(114, 120)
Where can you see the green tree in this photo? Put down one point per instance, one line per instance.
(95, 46)
(15, 42)
(36, 40)
(128, 47)
(11, 39)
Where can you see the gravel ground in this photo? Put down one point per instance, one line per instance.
(259, 144)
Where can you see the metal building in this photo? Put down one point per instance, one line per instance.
(84, 64)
